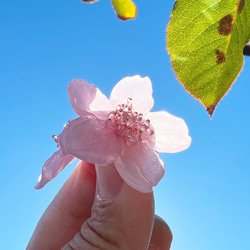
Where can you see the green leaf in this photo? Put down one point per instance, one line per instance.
(205, 40)
(125, 9)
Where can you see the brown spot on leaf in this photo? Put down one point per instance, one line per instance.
(220, 56)
(241, 6)
(210, 110)
(122, 17)
(174, 5)
(225, 25)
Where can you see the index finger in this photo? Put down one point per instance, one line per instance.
(67, 212)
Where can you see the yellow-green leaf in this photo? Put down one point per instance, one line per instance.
(205, 41)
(125, 9)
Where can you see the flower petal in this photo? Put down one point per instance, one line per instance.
(85, 97)
(87, 139)
(140, 167)
(137, 88)
(53, 166)
(81, 95)
(100, 105)
(171, 132)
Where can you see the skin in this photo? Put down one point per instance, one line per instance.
(96, 209)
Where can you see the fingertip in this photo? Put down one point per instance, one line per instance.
(109, 182)
(69, 209)
(75, 199)
(162, 237)
(121, 214)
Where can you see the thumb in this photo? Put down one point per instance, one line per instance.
(121, 217)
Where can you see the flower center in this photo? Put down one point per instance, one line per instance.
(128, 124)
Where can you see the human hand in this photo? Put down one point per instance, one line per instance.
(96, 209)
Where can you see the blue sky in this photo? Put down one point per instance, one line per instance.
(205, 194)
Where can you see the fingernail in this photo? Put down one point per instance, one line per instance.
(108, 181)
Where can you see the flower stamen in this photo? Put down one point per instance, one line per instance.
(128, 124)
(56, 139)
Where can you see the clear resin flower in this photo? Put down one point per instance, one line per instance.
(119, 130)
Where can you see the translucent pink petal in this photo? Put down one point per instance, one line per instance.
(100, 106)
(81, 95)
(137, 88)
(53, 166)
(87, 139)
(101, 102)
(171, 132)
(86, 97)
(140, 167)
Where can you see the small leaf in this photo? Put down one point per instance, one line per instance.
(125, 9)
(90, 1)
(205, 41)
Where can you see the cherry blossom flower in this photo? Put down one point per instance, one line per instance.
(119, 130)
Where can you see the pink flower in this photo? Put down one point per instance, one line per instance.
(118, 130)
